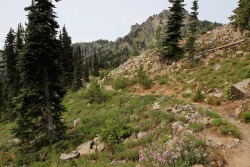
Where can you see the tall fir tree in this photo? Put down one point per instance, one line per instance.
(40, 101)
(96, 67)
(66, 58)
(86, 68)
(241, 17)
(10, 90)
(172, 36)
(78, 69)
(192, 31)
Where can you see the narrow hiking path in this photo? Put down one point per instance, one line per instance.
(236, 154)
(239, 155)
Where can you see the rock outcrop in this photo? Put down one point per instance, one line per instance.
(241, 90)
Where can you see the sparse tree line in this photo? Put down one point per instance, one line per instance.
(41, 65)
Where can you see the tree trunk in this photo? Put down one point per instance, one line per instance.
(50, 121)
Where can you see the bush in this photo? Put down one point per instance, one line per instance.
(143, 79)
(218, 122)
(95, 94)
(229, 94)
(198, 96)
(121, 83)
(185, 150)
(230, 129)
(211, 114)
(245, 116)
(115, 131)
(196, 127)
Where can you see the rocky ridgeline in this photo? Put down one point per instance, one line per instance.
(220, 35)
(149, 60)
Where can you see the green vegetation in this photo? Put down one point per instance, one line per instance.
(198, 97)
(196, 127)
(185, 151)
(39, 104)
(241, 17)
(245, 116)
(143, 79)
(172, 34)
(193, 30)
(122, 83)
(95, 93)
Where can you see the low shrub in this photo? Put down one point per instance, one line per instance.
(211, 114)
(115, 131)
(196, 127)
(245, 116)
(198, 97)
(230, 129)
(229, 94)
(120, 83)
(184, 150)
(143, 79)
(95, 93)
(218, 121)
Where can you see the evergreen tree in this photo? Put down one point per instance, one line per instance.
(78, 70)
(158, 39)
(96, 66)
(86, 69)
(66, 58)
(241, 17)
(193, 29)
(40, 109)
(172, 35)
(19, 38)
(10, 90)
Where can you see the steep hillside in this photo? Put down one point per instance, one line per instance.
(208, 84)
(140, 38)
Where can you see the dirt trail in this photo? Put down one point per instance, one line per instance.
(240, 155)
(236, 156)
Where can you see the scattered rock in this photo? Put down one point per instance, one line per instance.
(219, 144)
(100, 147)
(176, 125)
(208, 142)
(198, 165)
(156, 106)
(73, 154)
(236, 140)
(91, 151)
(84, 149)
(237, 112)
(76, 122)
(189, 91)
(239, 52)
(217, 67)
(156, 66)
(241, 90)
(218, 95)
(115, 162)
(162, 99)
(141, 135)
(97, 140)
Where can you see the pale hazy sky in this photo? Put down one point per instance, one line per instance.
(89, 20)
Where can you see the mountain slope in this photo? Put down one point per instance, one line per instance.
(140, 38)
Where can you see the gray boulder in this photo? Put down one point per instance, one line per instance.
(84, 149)
(241, 90)
(101, 147)
(73, 154)
(177, 125)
